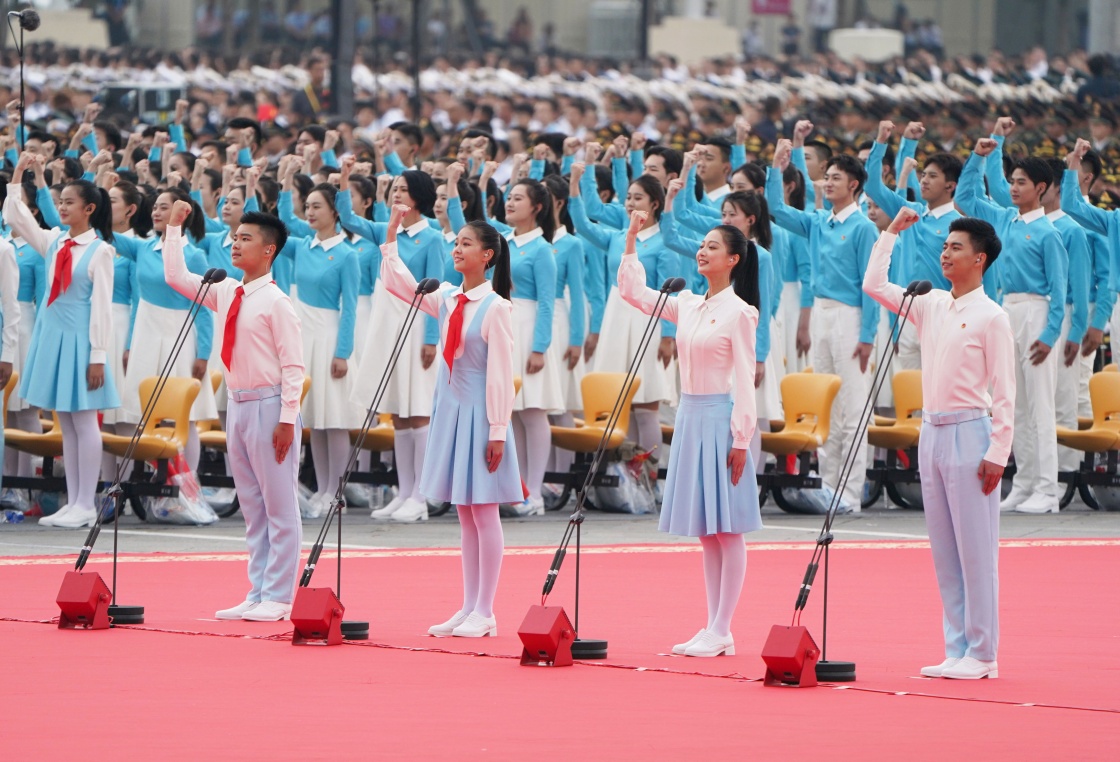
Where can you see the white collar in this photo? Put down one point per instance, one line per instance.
(719, 192)
(17, 242)
(1036, 214)
(256, 285)
(1087, 201)
(560, 233)
(159, 243)
(329, 243)
(843, 215)
(650, 232)
(414, 230)
(84, 238)
(1055, 215)
(476, 293)
(228, 241)
(449, 236)
(524, 238)
(941, 211)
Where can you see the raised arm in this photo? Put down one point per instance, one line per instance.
(591, 231)
(18, 217)
(632, 277)
(1074, 204)
(876, 282)
(398, 278)
(794, 220)
(970, 190)
(175, 270)
(999, 189)
(884, 197)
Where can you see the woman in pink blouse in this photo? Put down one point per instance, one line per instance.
(710, 490)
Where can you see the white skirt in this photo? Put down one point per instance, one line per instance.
(26, 329)
(411, 387)
(618, 343)
(541, 389)
(327, 404)
(361, 330)
(122, 315)
(153, 336)
(569, 379)
(767, 397)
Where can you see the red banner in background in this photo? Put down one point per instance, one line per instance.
(770, 7)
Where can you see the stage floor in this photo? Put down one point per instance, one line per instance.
(184, 686)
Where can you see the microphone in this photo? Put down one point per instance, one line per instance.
(206, 276)
(911, 288)
(672, 285)
(218, 276)
(923, 287)
(29, 20)
(427, 286)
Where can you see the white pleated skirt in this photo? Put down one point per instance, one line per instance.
(767, 396)
(327, 404)
(361, 329)
(411, 387)
(153, 336)
(26, 329)
(122, 315)
(541, 389)
(619, 338)
(569, 379)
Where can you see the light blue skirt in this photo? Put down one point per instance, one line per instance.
(55, 370)
(699, 498)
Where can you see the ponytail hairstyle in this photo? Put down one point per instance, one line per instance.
(367, 190)
(471, 200)
(101, 220)
(195, 224)
(490, 238)
(494, 196)
(753, 204)
(792, 174)
(744, 276)
(303, 185)
(558, 187)
(141, 220)
(652, 188)
(268, 193)
(30, 191)
(539, 196)
(329, 193)
(422, 189)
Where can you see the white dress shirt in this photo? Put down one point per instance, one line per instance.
(496, 329)
(715, 342)
(269, 346)
(968, 349)
(24, 225)
(9, 303)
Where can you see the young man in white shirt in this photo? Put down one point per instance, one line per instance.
(968, 396)
(262, 353)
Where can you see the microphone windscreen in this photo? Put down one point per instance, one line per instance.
(677, 285)
(427, 286)
(924, 287)
(218, 276)
(207, 277)
(911, 288)
(30, 20)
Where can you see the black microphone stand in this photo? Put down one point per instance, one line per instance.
(30, 22)
(115, 494)
(360, 630)
(584, 648)
(845, 671)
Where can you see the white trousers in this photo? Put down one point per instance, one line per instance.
(1036, 439)
(1067, 387)
(790, 311)
(835, 331)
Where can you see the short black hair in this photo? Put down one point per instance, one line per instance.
(949, 165)
(410, 131)
(722, 144)
(888, 155)
(982, 236)
(112, 134)
(243, 122)
(673, 159)
(1037, 170)
(850, 166)
(823, 149)
(554, 141)
(491, 143)
(272, 229)
(1096, 165)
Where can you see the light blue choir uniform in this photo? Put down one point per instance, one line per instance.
(1103, 228)
(624, 324)
(124, 286)
(457, 221)
(612, 214)
(569, 320)
(843, 316)
(1032, 272)
(218, 242)
(533, 294)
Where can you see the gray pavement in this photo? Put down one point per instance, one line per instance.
(362, 533)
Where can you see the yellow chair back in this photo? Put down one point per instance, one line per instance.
(907, 388)
(1104, 395)
(807, 403)
(174, 404)
(600, 390)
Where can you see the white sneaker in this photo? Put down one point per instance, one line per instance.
(711, 644)
(76, 517)
(412, 510)
(477, 626)
(48, 521)
(444, 630)
(1014, 499)
(1038, 504)
(530, 507)
(387, 512)
(238, 611)
(268, 611)
(680, 648)
(971, 669)
(938, 670)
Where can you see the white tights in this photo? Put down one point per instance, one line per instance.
(483, 544)
(18, 463)
(329, 450)
(81, 455)
(534, 440)
(725, 567)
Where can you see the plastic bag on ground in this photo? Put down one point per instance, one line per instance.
(189, 507)
(634, 493)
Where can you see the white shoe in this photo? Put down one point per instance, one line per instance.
(680, 648)
(971, 669)
(237, 612)
(1038, 504)
(530, 507)
(412, 510)
(48, 521)
(76, 517)
(386, 512)
(268, 611)
(477, 626)
(711, 644)
(940, 668)
(444, 630)
(1014, 499)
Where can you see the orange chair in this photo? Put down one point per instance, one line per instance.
(46, 445)
(807, 405)
(1100, 441)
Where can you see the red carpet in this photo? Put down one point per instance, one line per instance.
(174, 689)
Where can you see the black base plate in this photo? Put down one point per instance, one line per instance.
(355, 630)
(583, 648)
(836, 671)
(126, 614)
